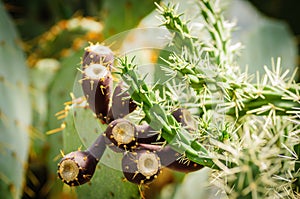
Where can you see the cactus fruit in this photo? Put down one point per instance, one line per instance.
(97, 85)
(98, 54)
(172, 159)
(141, 166)
(186, 119)
(78, 167)
(122, 134)
(148, 135)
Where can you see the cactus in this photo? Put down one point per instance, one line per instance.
(15, 114)
(261, 143)
(63, 39)
(246, 132)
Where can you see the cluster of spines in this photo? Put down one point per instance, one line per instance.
(142, 161)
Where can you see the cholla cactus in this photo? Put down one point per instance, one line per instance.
(247, 132)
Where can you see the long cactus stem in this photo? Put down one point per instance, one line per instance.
(255, 95)
(173, 23)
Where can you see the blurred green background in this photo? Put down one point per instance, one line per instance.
(41, 44)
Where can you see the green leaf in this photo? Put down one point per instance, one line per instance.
(15, 111)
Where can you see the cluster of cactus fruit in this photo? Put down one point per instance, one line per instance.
(213, 115)
(144, 152)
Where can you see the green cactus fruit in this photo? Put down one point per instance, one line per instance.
(15, 111)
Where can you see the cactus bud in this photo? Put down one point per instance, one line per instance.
(98, 54)
(141, 166)
(96, 85)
